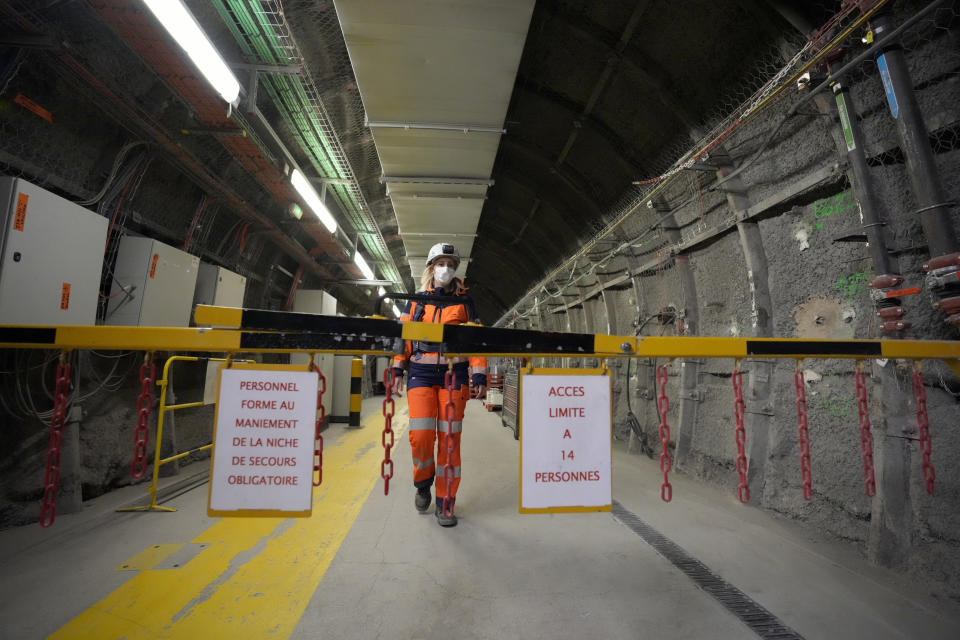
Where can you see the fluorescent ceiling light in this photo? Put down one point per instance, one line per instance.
(181, 25)
(396, 311)
(381, 291)
(363, 266)
(309, 195)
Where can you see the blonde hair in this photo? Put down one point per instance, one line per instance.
(427, 278)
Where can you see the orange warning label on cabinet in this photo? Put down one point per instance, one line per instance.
(65, 296)
(153, 265)
(21, 216)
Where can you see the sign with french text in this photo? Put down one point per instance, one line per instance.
(565, 441)
(263, 441)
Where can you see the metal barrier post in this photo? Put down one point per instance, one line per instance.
(161, 411)
(356, 397)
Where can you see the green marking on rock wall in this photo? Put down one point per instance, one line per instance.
(853, 284)
(832, 206)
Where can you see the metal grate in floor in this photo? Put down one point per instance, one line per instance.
(762, 622)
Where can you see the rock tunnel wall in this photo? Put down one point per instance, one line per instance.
(816, 286)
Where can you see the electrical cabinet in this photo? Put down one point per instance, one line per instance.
(382, 365)
(322, 303)
(153, 284)
(219, 287)
(51, 257)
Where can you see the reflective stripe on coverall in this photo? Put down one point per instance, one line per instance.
(426, 401)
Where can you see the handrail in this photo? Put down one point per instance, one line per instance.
(162, 408)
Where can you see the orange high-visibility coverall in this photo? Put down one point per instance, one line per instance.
(427, 396)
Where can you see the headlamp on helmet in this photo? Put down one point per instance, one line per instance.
(443, 250)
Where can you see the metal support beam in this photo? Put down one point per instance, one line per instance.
(438, 196)
(367, 283)
(283, 69)
(436, 126)
(598, 87)
(232, 133)
(330, 181)
(690, 368)
(384, 179)
(419, 234)
(759, 387)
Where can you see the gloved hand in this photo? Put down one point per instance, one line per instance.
(479, 381)
(398, 379)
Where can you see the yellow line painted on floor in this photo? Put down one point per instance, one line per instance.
(257, 575)
(150, 557)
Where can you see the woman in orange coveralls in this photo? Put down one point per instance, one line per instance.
(426, 392)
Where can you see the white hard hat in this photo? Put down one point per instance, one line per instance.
(441, 250)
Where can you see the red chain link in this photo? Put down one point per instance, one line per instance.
(148, 372)
(386, 467)
(317, 438)
(449, 414)
(666, 462)
(866, 439)
(51, 478)
(923, 426)
(804, 434)
(743, 491)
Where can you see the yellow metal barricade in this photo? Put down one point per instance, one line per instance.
(162, 409)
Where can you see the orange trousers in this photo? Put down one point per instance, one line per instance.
(427, 406)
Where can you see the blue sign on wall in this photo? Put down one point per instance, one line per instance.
(888, 85)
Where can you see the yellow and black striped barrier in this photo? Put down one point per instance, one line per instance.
(235, 330)
(356, 398)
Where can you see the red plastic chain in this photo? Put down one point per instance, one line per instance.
(923, 427)
(386, 467)
(743, 491)
(449, 415)
(866, 439)
(666, 462)
(806, 474)
(51, 478)
(317, 438)
(148, 372)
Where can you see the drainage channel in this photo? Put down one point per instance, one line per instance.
(748, 611)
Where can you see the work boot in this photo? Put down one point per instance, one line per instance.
(442, 519)
(422, 499)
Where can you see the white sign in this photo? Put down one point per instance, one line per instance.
(565, 445)
(263, 442)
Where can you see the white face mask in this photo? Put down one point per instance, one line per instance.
(443, 275)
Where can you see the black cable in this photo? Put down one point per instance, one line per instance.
(831, 79)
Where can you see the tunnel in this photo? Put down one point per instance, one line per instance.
(649, 307)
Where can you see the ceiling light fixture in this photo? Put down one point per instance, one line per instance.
(178, 21)
(309, 195)
(396, 311)
(363, 266)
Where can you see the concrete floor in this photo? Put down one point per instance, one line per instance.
(367, 565)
